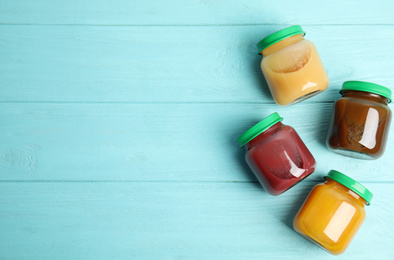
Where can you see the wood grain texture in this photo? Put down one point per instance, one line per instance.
(171, 221)
(173, 64)
(192, 12)
(156, 142)
(119, 119)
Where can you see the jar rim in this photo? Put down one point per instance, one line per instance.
(367, 87)
(278, 36)
(350, 183)
(259, 128)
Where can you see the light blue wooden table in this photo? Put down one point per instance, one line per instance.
(119, 119)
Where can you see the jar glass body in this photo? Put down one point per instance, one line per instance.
(279, 158)
(330, 216)
(293, 70)
(359, 125)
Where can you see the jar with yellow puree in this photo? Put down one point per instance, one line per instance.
(291, 66)
(360, 120)
(333, 212)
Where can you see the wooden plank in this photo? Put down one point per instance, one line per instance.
(107, 12)
(157, 142)
(172, 64)
(171, 221)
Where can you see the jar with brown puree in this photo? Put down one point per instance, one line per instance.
(360, 120)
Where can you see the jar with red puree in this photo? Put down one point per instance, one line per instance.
(276, 154)
(360, 120)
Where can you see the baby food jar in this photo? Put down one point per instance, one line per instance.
(291, 66)
(276, 154)
(333, 212)
(360, 120)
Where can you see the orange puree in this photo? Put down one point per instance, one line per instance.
(331, 216)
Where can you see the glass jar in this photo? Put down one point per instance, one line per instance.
(276, 154)
(360, 120)
(291, 66)
(333, 212)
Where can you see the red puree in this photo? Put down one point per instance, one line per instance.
(279, 158)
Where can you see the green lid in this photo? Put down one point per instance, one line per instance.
(278, 36)
(366, 87)
(259, 128)
(351, 184)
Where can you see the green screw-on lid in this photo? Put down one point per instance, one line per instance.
(366, 87)
(259, 128)
(278, 36)
(351, 184)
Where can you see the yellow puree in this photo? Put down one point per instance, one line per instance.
(330, 216)
(293, 70)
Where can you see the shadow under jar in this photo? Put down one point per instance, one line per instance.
(360, 120)
(291, 66)
(276, 154)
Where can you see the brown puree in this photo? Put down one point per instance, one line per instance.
(360, 124)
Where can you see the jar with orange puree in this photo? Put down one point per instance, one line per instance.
(291, 66)
(333, 212)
